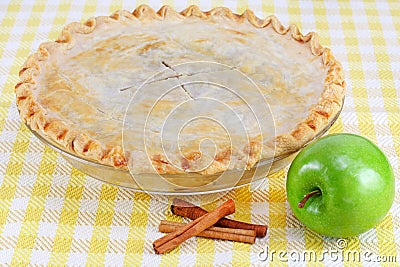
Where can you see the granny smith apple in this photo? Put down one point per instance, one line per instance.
(340, 185)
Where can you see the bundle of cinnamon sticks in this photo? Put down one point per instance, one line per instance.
(205, 224)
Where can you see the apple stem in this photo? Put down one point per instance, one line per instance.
(306, 197)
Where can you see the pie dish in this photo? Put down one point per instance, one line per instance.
(104, 89)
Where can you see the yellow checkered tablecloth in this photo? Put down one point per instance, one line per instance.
(51, 214)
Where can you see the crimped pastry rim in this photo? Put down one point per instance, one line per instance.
(78, 142)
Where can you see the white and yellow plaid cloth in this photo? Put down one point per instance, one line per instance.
(51, 214)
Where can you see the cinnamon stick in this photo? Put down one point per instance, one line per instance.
(238, 235)
(174, 239)
(186, 209)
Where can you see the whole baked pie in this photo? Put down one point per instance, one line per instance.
(170, 92)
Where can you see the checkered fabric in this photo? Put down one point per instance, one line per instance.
(52, 214)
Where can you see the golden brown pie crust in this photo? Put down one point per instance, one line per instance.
(81, 143)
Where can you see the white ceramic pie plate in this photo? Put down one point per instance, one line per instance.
(177, 184)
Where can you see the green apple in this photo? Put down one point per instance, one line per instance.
(340, 185)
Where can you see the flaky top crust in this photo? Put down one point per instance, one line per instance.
(81, 143)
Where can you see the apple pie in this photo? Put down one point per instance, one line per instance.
(177, 92)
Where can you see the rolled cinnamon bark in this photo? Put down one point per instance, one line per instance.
(238, 235)
(174, 239)
(186, 209)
